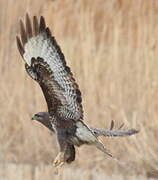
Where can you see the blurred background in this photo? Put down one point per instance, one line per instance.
(112, 49)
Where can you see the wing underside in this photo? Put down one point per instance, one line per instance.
(36, 42)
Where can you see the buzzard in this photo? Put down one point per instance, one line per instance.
(45, 63)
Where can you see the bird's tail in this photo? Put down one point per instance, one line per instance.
(113, 133)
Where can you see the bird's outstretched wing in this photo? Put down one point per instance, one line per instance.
(46, 63)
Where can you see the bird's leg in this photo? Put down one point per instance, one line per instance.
(59, 160)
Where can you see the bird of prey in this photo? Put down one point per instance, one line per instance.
(45, 63)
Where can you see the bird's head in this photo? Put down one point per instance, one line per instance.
(44, 118)
(41, 116)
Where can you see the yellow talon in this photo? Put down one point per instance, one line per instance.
(58, 162)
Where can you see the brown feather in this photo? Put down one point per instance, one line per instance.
(35, 26)
(48, 32)
(42, 69)
(112, 125)
(42, 25)
(28, 27)
(56, 46)
(19, 45)
(23, 33)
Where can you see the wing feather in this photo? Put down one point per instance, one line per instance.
(52, 91)
(35, 26)
(60, 89)
(28, 27)
(23, 33)
(42, 26)
(20, 46)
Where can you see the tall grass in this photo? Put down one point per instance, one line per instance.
(111, 47)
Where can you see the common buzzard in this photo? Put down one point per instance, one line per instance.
(45, 63)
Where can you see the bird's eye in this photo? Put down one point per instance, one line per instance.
(37, 115)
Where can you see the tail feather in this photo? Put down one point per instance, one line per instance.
(114, 133)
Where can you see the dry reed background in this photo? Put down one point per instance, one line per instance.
(111, 47)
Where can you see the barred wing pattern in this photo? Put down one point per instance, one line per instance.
(38, 44)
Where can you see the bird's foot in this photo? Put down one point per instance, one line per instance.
(58, 162)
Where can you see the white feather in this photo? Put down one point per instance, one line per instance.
(84, 133)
